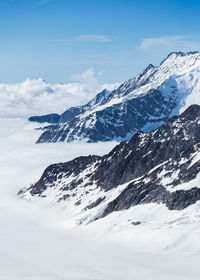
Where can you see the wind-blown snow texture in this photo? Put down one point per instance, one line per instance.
(158, 167)
(140, 104)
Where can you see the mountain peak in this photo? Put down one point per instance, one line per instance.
(142, 103)
(150, 66)
(179, 53)
(184, 55)
(157, 167)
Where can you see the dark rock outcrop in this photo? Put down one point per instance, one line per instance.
(50, 118)
(162, 166)
(140, 104)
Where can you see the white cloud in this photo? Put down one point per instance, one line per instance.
(184, 43)
(87, 78)
(159, 41)
(37, 97)
(87, 38)
(101, 73)
(93, 38)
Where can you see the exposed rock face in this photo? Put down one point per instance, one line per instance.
(162, 166)
(50, 118)
(140, 104)
(57, 171)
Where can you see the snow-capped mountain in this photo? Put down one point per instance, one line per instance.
(140, 104)
(161, 167)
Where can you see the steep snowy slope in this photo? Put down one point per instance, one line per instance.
(142, 103)
(158, 167)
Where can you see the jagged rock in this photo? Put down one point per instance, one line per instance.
(162, 166)
(50, 118)
(95, 203)
(140, 104)
(136, 223)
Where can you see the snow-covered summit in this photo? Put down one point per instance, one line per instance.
(176, 63)
(142, 103)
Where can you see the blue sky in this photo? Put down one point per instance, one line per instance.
(57, 39)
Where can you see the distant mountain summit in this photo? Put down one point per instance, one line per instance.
(162, 166)
(140, 104)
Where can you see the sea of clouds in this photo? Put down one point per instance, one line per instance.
(34, 244)
(37, 97)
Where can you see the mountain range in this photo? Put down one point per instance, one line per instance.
(143, 103)
(160, 167)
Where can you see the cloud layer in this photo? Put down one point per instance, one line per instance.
(170, 43)
(93, 38)
(37, 97)
(87, 38)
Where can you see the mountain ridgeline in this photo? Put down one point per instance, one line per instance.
(162, 166)
(140, 104)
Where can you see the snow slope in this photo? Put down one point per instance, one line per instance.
(36, 244)
(159, 167)
(142, 103)
(45, 241)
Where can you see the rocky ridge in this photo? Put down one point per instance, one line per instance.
(162, 166)
(140, 104)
